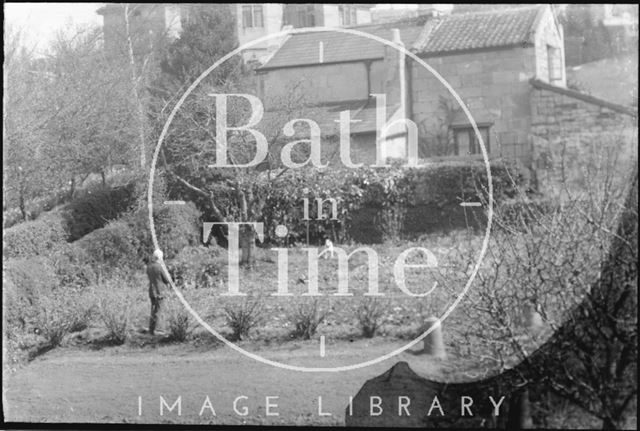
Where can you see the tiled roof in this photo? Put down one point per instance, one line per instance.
(477, 30)
(468, 31)
(327, 116)
(303, 48)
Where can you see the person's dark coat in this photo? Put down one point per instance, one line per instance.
(158, 281)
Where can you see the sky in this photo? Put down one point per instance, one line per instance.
(39, 22)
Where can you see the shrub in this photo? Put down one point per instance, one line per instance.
(112, 248)
(176, 226)
(96, 207)
(114, 310)
(242, 317)
(195, 266)
(29, 277)
(73, 266)
(373, 203)
(37, 237)
(369, 313)
(306, 317)
(178, 321)
(58, 314)
(517, 213)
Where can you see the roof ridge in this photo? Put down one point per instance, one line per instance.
(528, 7)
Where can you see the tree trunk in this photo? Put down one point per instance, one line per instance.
(104, 178)
(23, 207)
(136, 93)
(247, 245)
(72, 188)
(612, 424)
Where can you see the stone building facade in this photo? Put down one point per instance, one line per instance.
(154, 23)
(495, 61)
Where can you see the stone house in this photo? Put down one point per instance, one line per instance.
(507, 67)
(150, 22)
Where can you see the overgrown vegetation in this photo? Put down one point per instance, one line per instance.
(242, 316)
(306, 317)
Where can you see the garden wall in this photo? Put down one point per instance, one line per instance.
(575, 135)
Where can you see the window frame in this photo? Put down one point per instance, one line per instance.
(474, 145)
(554, 63)
(250, 13)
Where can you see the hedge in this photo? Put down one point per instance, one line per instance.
(38, 237)
(176, 227)
(123, 244)
(28, 277)
(378, 204)
(94, 208)
(111, 248)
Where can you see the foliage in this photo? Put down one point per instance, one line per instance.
(114, 248)
(195, 266)
(114, 309)
(209, 34)
(373, 199)
(67, 116)
(306, 317)
(94, 208)
(562, 261)
(73, 266)
(176, 227)
(242, 316)
(37, 237)
(59, 312)
(369, 314)
(178, 321)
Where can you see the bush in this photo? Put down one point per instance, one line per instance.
(176, 226)
(373, 203)
(195, 266)
(369, 313)
(114, 310)
(36, 238)
(517, 213)
(306, 317)
(60, 313)
(29, 277)
(97, 207)
(73, 266)
(112, 248)
(242, 317)
(178, 321)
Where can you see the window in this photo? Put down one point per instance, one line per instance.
(300, 15)
(252, 16)
(555, 64)
(466, 141)
(348, 15)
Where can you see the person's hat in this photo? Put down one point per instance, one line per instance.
(158, 254)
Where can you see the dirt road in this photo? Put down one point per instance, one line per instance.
(126, 385)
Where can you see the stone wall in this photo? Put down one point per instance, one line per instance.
(493, 84)
(576, 137)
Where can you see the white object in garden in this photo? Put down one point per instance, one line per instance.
(433, 343)
(329, 249)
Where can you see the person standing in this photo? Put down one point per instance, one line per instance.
(158, 284)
